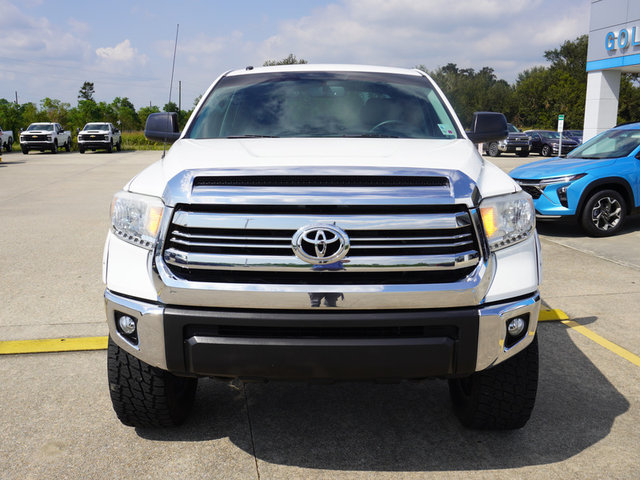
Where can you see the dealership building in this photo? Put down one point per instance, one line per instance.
(614, 47)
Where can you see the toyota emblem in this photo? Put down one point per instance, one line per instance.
(320, 244)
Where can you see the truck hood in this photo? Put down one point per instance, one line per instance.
(558, 167)
(38, 132)
(326, 156)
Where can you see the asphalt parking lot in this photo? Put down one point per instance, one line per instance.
(57, 420)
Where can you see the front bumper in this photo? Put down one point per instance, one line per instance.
(513, 147)
(37, 145)
(94, 144)
(292, 344)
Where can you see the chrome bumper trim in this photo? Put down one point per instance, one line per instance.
(468, 292)
(491, 332)
(150, 318)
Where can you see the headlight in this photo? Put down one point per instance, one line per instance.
(136, 218)
(507, 219)
(564, 179)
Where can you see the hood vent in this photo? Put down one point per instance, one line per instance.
(321, 181)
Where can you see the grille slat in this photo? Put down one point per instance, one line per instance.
(427, 246)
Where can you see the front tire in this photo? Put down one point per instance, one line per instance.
(146, 396)
(110, 146)
(493, 149)
(501, 397)
(54, 149)
(546, 151)
(25, 150)
(67, 146)
(604, 213)
(10, 145)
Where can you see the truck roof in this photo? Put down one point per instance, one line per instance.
(306, 67)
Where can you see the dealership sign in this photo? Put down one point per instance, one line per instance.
(623, 39)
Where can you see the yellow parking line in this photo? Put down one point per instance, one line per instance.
(552, 315)
(621, 352)
(52, 345)
(559, 315)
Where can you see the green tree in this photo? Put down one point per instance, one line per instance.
(11, 117)
(55, 110)
(87, 111)
(470, 91)
(571, 57)
(86, 91)
(542, 93)
(290, 60)
(144, 112)
(629, 100)
(31, 114)
(125, 112)
(170, 107)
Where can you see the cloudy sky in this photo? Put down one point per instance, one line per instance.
(49, 48)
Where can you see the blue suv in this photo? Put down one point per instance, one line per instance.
(598, 183)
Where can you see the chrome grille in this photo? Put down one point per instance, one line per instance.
(92, 136)
(36, 137)
(417, 245)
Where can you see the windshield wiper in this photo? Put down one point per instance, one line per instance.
(252, 136)
(370, 135)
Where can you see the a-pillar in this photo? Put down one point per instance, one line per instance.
(601, 106)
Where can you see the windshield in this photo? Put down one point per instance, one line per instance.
(323, 104)
(41, 126)
(96, 126)
(555, 135)
(512, 128)
(610, 144)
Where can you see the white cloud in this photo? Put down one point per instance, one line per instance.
(122, 52)
(472, 33)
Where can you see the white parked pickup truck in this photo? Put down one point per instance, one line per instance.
(324, 222)
(99, 135)
(45, 136)
(6, 140)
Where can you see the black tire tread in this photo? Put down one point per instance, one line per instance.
(143, 395)
(502, 397)
(493, 149)
(585, 216)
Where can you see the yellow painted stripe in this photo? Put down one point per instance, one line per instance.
(621, 352)
(552, 315)
(52, 345)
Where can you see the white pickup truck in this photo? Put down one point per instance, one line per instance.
(6, 140)
(45, 136)
(323, 222)
(99, 135)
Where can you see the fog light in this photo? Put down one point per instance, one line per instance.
(516, 326)
(562, 196)
(127, 324)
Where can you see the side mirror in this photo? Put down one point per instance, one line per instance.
(162, 127)
(488, 127)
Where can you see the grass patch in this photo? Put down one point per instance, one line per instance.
(137, 141)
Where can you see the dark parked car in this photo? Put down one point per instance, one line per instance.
(546, 143)
(516, 142)
(574, 135)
